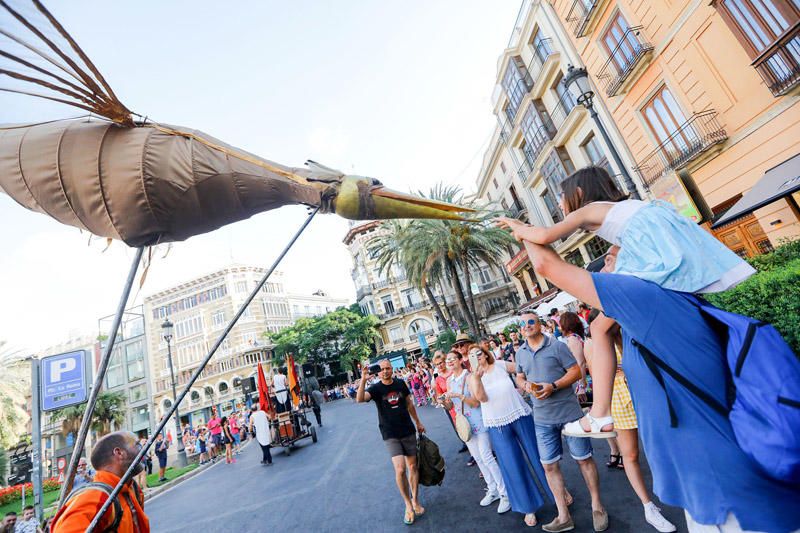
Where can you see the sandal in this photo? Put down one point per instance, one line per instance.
(408, 519)
(596, 425)
(530, 520)
(615, 462)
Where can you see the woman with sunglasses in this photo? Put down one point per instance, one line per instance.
(512, 433)
(460, 399)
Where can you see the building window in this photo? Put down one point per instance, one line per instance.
(137, 393)
(396, 334)
(494, 182)
(484, 274)
(218, 319)
(575, 258)
(552, 206)
(241, 286)
(189, 326)
(502, 169)
(140, 417)
(555, 169)
(134, 353)
(420, 325)
(621, 44)
(536, 132)
(115, 375)
(388, 305)
(223, 389)
(515, 85)
(665, 118)
(597, 247)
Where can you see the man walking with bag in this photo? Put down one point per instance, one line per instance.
(395, 412)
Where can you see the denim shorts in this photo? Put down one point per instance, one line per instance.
(548, 440)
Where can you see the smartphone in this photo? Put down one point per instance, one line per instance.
(374, 369)
(473, 361)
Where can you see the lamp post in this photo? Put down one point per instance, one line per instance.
(166, 328)
(577, 82)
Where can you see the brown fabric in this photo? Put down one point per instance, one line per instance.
(140, 185)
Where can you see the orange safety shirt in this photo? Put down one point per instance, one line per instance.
(79, 510)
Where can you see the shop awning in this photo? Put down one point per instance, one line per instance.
(777, 182)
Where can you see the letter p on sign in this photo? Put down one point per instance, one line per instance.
(59, 367)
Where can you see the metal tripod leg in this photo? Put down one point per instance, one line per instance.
(165, 419)
(80, 440)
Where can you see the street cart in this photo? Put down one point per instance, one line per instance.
(289, 427)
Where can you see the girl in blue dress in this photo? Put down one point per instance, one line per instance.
(656, 244)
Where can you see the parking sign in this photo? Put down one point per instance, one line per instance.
(64, 380)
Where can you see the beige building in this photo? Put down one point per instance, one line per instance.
(316, 304)
(200, 309)
(542, 136)
(406, 314)
(706, 96)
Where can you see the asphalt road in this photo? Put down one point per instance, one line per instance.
(345, 482)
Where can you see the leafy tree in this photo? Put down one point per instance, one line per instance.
(15, 380)
(108, 410)
(343, 335)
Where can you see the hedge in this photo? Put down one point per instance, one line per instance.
(772, 294)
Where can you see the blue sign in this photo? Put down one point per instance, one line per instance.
(64, 380)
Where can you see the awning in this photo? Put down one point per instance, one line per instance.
(778, 182)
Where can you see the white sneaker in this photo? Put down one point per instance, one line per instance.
(490, 497)
(654, 517)
(505, 505)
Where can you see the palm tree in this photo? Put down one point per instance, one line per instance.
(15, 380)
(434, 250)
(108, 410)
(391, 251)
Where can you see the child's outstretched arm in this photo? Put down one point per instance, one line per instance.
(589, 217)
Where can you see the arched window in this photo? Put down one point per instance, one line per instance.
(194, 396)
(167, 403)
(237, 382)
(223, 388)
(420, 325)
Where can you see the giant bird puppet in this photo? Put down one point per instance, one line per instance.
(122, 176)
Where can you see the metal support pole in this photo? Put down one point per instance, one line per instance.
(129, 473)
(36, 435)
(182, 461)
(80, 440)
(629, 184)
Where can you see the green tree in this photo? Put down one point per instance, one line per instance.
(435, 251)
(109, 410)
(15, 380)
(343, 335)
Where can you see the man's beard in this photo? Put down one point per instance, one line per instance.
(138, 469)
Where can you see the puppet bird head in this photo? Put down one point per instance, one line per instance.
(363, 198)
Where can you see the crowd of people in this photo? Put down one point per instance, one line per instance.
(529, 389)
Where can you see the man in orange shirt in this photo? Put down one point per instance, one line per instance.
(111, 457)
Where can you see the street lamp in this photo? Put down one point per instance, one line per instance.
(166, 328)
(577, 82)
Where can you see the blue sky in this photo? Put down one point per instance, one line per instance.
(395, 90)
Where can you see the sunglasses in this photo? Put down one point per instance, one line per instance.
(531, 322)
(476, 353)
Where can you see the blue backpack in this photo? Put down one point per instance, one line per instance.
(763, 403)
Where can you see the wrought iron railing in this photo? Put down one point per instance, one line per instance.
(694, 137)
(517, 211)
(580, 14)
(542, 50)
(623, 60)
(565, 104)
(425, 333)
(517, 92)
(779, 65)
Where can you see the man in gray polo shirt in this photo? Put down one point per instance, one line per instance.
(547, 368)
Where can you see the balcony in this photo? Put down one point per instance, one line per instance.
(363, 291)
(425, 333)
(779, 65)
(489, 285)
(628, 57)
(519, 212)
(566, 116)
(382, 284)
(535, 146)
(581, 16)
(696, 136)
(543, 63)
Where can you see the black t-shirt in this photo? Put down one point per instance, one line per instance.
(393, 418)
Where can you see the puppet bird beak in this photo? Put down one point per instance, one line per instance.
(361, 198)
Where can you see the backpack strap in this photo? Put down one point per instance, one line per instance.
(107, 489)
(654, 363)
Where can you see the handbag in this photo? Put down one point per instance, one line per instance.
(463, 427)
